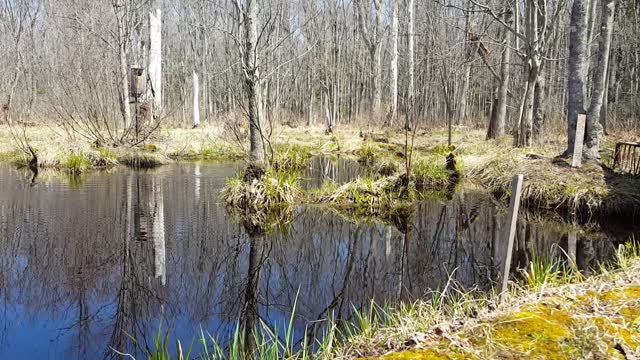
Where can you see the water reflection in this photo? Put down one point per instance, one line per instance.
(83, 266)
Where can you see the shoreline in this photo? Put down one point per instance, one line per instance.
(588, 194)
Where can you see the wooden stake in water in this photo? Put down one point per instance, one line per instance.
(577, 146)
(514, 207)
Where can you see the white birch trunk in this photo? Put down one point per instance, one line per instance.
(196, 100)
(159, 245)
(412, 65)
(394, 63)
(155, 57)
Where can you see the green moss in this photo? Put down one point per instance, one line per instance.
(429, 354)
(536, 332)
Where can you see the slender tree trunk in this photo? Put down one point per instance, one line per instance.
(499, 115)
(196, 100)
(412, 66)
(539, 109)
(394, 64)
(253, 82)
(155, 56)
(577, 69)
(594, 129)
(124, 70)
(526, 124)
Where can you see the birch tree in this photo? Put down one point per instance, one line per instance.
(196, 100)
(394, 63)
(155, 57)
(412, 66)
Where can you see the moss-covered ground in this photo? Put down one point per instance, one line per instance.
(597, 318)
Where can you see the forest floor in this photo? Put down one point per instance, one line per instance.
(559, 318)
(550, 183)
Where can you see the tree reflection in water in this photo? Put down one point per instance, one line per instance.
(80, 268)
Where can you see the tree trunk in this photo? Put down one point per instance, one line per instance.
(412, 66)
(124, 71)
(577, 69)
(394, 64)
(499, 115)
(253, 82)
(594, 129)
(196, 100)
(539, 109)
(155, 57)
(374, 45)
(526, 123)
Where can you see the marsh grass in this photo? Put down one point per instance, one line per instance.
(554, 185)
(555, 314)
(292, 157)
(76, 162)
(263, 203)
(141, 159)
(209, 151)
(366, 196)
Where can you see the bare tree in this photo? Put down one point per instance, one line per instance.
(373, 40)
(253, 83)
(594, 129)
(499, 114)
(577, 69)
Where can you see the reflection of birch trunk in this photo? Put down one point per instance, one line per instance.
(197, 175)
(159, 246)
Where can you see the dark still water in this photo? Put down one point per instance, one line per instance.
(84, 262)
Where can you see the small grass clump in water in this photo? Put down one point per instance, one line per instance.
(76, 162)
(366, 196)
(430, 172)
(139, 159)
(269, 191)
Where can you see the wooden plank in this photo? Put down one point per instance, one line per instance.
(514, 207)
(579, 142)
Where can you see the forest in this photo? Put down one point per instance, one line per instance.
(306, 179)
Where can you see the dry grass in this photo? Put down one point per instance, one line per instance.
(551, 184)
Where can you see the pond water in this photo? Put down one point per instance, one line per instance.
(84, 262)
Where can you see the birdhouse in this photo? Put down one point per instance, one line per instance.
(137, 82)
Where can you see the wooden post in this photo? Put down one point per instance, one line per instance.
(514, 207)
(577, 147)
